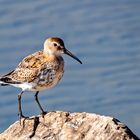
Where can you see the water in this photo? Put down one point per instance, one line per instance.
(103, 34)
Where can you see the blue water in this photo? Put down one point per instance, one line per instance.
(105, 35)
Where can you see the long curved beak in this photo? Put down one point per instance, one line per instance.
(71, 55)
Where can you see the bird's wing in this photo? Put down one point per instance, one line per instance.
(27, 69)
(34, 60)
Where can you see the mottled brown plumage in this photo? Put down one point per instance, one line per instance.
(39, 71)
(38, 68)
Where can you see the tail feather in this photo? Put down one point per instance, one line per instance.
(6, 81)
(4, 84)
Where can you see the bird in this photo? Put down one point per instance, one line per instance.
(39, 71)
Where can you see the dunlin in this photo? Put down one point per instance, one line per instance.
(39, 71)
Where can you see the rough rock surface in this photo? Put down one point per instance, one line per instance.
(68, 126)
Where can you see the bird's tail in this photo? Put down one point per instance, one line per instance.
(2, 83)
(7, 80)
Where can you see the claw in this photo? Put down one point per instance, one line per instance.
(43, 113)
(21, 116)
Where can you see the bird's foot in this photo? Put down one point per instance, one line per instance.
(43, 113)
(21, 116)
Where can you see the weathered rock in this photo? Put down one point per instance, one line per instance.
(68, 126)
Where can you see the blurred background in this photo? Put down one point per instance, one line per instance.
(105, 35)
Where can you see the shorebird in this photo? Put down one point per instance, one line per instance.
(39, 71)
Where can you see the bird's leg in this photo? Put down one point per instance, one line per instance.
(36, 98)
(19, 107)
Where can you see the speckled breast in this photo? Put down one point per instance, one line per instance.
(49, 75)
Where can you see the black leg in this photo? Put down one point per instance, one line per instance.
(36, 98)
(19, 107)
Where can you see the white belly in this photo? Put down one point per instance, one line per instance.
(24, 86)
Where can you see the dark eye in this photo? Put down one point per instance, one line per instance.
(55, 44)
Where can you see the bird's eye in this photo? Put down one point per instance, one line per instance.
(55, 44)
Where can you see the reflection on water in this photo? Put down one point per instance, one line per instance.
(104, 35)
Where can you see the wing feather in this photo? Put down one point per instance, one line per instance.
(27, 69)
(30, 67)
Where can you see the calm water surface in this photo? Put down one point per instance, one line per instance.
(105, 35)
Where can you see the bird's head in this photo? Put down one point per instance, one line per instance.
(55, 46)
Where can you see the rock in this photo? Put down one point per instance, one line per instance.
(68, 126)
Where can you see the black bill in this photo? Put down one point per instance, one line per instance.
(73, 56)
